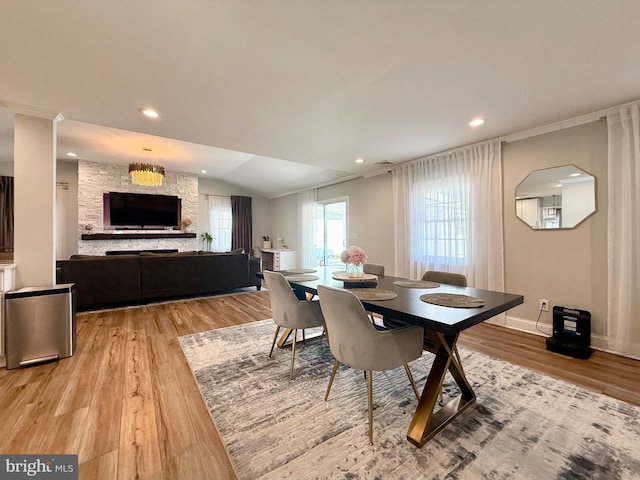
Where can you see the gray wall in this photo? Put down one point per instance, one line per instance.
(370, 216)
(566, 267)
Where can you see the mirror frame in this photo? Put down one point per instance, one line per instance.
(533, 195)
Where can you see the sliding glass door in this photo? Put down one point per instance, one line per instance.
(331, 232)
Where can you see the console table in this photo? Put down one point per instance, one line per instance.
(281, 259)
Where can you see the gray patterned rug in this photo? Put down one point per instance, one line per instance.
(524, 425)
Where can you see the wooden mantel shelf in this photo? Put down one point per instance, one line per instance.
(135, 236)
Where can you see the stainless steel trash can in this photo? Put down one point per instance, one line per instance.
(40, 324)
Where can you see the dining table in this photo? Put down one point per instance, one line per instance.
(403, 301)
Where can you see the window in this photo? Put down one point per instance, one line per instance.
(444, 228)
(220, 223)
(448, 215)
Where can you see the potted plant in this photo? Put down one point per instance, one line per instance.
(207, 239)
(266, 242)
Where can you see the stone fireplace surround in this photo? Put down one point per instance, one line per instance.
(95, 179)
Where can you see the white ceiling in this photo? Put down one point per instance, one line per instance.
(278, 95)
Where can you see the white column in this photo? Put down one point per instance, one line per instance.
(35, 190)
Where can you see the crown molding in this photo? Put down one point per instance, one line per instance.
(31, 111)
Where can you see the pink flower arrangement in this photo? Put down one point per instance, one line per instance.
(354, 254)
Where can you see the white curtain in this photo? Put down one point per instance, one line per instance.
(306, 209)
(448, 215)
(220, 223)
(623, 256)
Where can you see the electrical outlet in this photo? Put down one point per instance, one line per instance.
(544, 305)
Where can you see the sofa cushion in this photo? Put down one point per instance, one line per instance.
(102, 281)
(171, 275)
(223, 271)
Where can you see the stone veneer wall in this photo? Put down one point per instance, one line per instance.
(95, 179)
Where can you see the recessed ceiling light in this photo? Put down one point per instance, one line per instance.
(558, 185)
(476, 122)
(203, 171)
(149, 112)
(575, 174)
(71, 154)
(359, 160)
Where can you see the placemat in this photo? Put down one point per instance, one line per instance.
(344, 277)
(301, 278)
(452, 300)
(373, 293)
(297, 271)
(416, 284)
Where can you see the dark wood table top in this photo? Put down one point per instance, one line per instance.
(407, 305)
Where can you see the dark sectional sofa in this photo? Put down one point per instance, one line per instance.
(111, 280)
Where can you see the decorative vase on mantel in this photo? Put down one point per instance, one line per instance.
(355, 270)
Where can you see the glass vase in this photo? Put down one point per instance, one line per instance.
(355, 271)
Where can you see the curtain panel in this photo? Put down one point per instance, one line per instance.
(448, 215)
(6, 214)
(307, 201)
(623, 230)
(220, 223)
(241, 221)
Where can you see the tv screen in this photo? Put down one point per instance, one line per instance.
(140, 211)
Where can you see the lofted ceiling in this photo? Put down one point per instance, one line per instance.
(279, 95)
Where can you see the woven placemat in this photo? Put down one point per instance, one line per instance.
(301, 278)
(452, 300)
(416, 284)
(298, 271)
(344, 277)
(373, 293)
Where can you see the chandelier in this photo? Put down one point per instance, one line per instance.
(146, 174)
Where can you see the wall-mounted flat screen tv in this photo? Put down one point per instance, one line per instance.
(139, 211)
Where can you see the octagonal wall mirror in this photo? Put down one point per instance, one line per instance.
(554, 198)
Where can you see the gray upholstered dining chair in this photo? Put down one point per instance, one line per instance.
(374, 269)
(289, 312)
(449, 278)
(357, 343)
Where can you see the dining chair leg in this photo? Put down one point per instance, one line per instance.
(293, 351)
(413, 384)
(275, 337)
(333, 374)
(303, 339)
(370, 401)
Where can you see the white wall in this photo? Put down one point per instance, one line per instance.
(259, 207)
(6, 169)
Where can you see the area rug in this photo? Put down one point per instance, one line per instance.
(524, 425)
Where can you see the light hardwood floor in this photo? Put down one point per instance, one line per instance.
(127, 404)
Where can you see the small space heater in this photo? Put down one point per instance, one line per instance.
(571, 332)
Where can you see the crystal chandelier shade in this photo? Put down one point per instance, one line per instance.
(146, 174)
